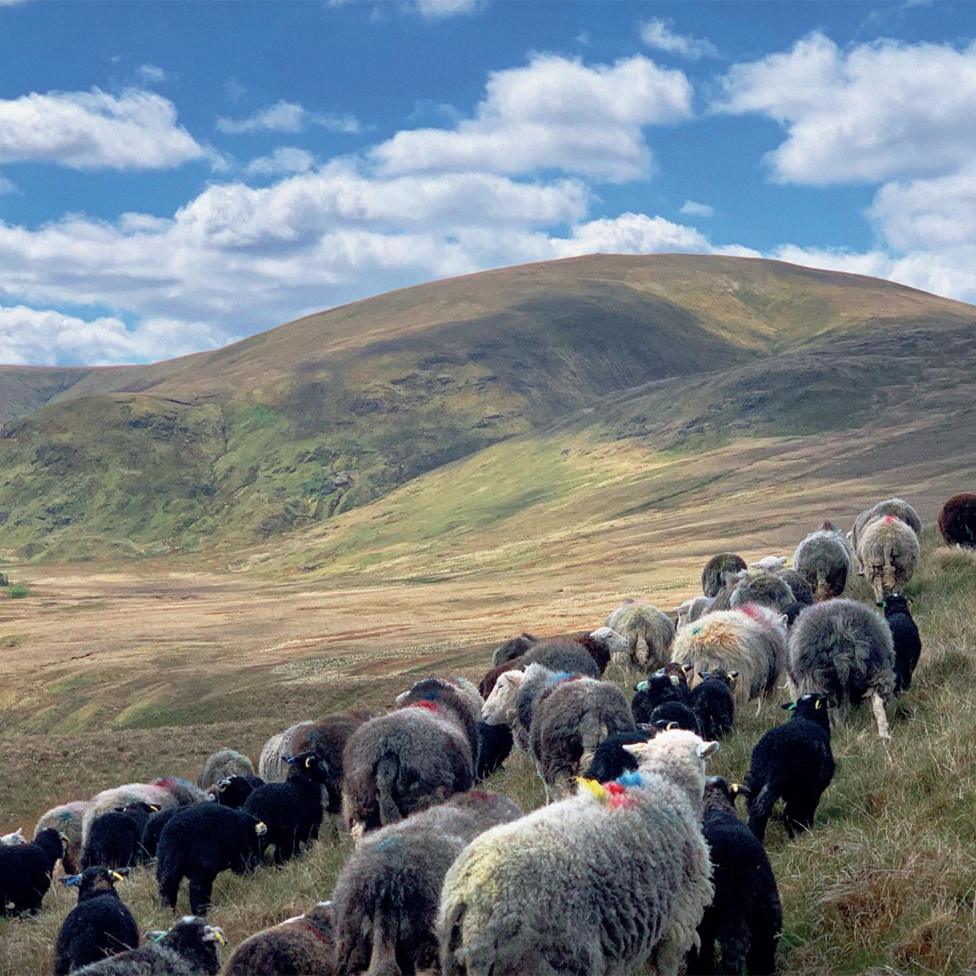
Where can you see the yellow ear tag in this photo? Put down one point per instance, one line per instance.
(818, 704)
(309, 762)
(117, 877)
(735, 789)
(260, 828)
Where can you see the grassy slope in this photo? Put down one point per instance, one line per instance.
(288, 428)
(884, 884)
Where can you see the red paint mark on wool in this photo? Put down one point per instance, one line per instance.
(753, 611)
(889, 519)
(426, 705)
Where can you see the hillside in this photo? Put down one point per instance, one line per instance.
(287, 429)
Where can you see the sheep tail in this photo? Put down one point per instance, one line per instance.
(387, 770)
(452, 921)
(382, 960)
(821, 591)
(888, 571)
(642, 651)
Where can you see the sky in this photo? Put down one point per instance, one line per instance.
(176, 176)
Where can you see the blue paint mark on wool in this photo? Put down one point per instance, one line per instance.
(631, 779)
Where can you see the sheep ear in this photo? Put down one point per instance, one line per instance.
(214, 933)
(309, 762)
(401, 698)
(733, 675)
(706, 749)
(154, 808)
(687, 668)
(636, 749)
(819, 703)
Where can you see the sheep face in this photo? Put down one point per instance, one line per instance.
(499, 709)
(615, 643)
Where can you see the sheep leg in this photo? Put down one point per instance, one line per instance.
(877, 707)
(200, 892)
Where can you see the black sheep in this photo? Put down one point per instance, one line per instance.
(904, 634)
(745, 916)
(611, 759)
(99, 925)
(115, 838)
(713, 702)
(292, 810)
(233, 791)
(198, 843)
(154, 827)
(957, 520)
(792, 762)
(495, 745)
(668, 684)
(675, 714)
(25, 872)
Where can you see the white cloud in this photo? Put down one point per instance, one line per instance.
(95, 130)
(442, 9)
(868, 114)
(693, 209)
(657, 33)
(151, 74)
(7, 185)
(284, 159)
(288, 117)
(554, 113)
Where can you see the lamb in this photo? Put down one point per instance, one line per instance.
(667, 684)
(299, 946)
(513, 700)
(693, 609)
(14, 838)
(746, 916)
(189, 948)
(198, 843)
(823, 559)
(115, 838)
(400, 763)
(751, 640)
(766, 589)
(463, 703)
(713, 702)
(905, 637)
(272, 767)
(99, 925)
(844, 649)
(487, 684)
(495, 746)
(596, 884)
(292, 811)
(675, 715)
(649, 633)
(769, 564)
(512, 649)
(611, 760)
(387, 894)
(792, 762)
(66, 819)
(234, 790)
(25, 872)
(957, 520)
(719, 570)
(571, 718)
(153, 829)
(221, 764)
(897, 507)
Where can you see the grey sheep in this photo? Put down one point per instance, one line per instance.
(594, 885)
(189, 948)
(457, 696)
(563, 654)
(649, 633)
(512, 649)
(400, 763)
(843, 648)
(221, 764)
(802, 590)
(766, 589)
(824, 560)
(692, 610)
(387, 895)
(299, 946)
(888, 550)
(890, 506)
(719, 570)
(570, 720)
(272, 767)
(327, 738)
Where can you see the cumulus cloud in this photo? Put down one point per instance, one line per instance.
(95, 130)
(285, 159)
(864, 115)
(657, 33)
(289, 117)
(554, 113)
(693, 209)
(151, 74)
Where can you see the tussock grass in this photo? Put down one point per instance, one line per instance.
(884, 884)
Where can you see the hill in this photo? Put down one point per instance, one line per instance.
(290, 428)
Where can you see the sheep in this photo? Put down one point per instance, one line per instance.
(153, 829)
(513, 700)
(957, 520)
(905, 638)
(667, 684)
(464, 704)
(792, 762)
(183, 792)
(99, 925)
(386, 896)
(649, 633)
(292, 811)
(719, 570)
(495, 746)
(189, 948)
(115, 838)
(299, 946)
(272, 767)
(611, 760)
(512, 649)
(25, 872)
(750, 640)
(675, 715)
(570, 719)
(165, 792)
(769, 564)
(14, 838)
(595, 884)
(691, 610)
(565, 654)
(746, 915)
(713, 702)
(897, 507)
(402, 762)
(198, 843)
(487, 684)
(889, 552)
(234, 790)
(66, 819)
(802, 590)
(766, 589)
(824, 560)
(844, 649)
(221, 764)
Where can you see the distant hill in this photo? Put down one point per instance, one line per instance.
(291, 427)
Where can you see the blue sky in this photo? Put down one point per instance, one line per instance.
(177, 175)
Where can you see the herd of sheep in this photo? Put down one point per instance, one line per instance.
(637, 857)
